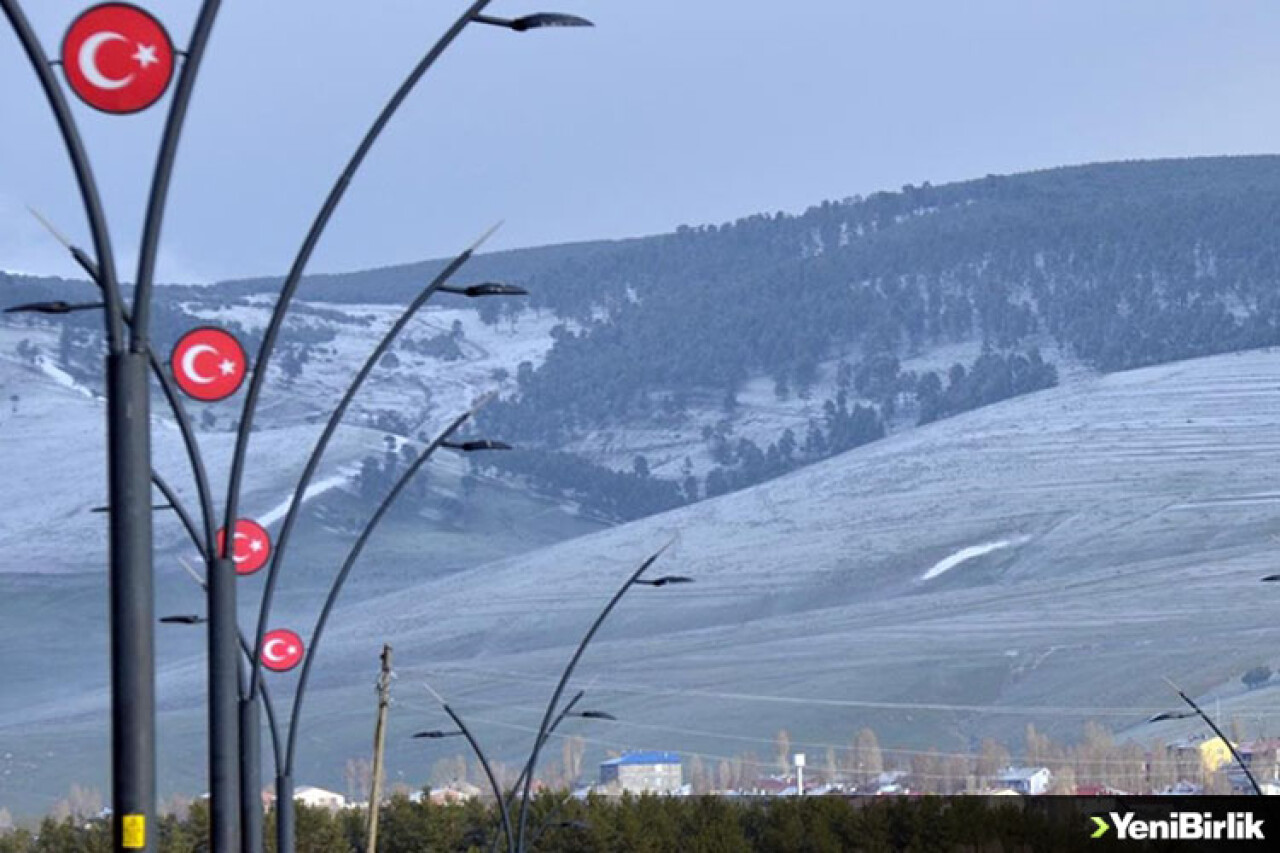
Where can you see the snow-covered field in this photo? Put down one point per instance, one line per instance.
(1137, 502)
(1143, 508)
(1044, 560)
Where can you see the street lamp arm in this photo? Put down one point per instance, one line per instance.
(564, 680)
(338, 582)
(164, 170)
(488, 772)
(80, 164)
(322, 443)
(294, 277)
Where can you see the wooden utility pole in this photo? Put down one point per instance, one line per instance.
(379, 742)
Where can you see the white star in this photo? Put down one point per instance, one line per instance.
(227, 367)
(255, 545)
(146, 55)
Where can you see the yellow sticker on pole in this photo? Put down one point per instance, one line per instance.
(135, 831)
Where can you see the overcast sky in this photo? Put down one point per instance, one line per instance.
(669, 112)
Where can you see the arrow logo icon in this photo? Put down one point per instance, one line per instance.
(1103, 826)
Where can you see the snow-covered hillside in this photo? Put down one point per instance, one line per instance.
(1136, 511)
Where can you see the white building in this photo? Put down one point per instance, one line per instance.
(1026, 780)
(643, 772)
(319, 798)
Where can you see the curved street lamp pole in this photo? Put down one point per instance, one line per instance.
(294, 277)
(504, 802)
(165, 158)
(331, 426)
(564, 680)
(284, 780)
(250, 759)
(503, 812)
(1197, 711)
(318, 225)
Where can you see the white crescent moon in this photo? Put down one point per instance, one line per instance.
(234, 558)
(89, 62)
(269, 654)
(189, 366)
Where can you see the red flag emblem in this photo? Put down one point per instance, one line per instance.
(251, 547)
(117, 58)
(281, 650)
(208, 364)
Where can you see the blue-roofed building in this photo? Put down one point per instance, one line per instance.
(642, 772)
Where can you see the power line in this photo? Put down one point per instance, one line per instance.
(942, 707)
(846, 747)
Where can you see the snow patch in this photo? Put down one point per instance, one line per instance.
(62, 378)
(314, 490)
(970, 553)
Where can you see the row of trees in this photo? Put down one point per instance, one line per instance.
(647, 823)
(1093, 758)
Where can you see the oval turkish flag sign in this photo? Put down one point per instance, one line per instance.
(281, 650)
(208, 364)
(251, 547)
(118, 58)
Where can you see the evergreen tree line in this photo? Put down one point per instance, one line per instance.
(1125, 265)
(645, 823)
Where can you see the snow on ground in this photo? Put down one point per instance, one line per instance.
(418, 385)
(972, 552)
(62, 378)
(761, 416)
(313, 491)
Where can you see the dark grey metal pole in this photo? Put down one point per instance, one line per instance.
(524, 771)
(250, 775)
(130, 575)
(264, 694)
(224, 715)
(133, 688)
(226, 808)
(286, 841)
(1217, 731)
(164, 169)
(564, 680)
(488, 772)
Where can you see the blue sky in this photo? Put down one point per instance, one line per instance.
(669, 112)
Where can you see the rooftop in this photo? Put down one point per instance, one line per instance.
(1010, 773)
(650, 757)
